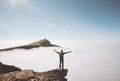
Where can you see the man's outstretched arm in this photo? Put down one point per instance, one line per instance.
(67, 52)
(56, 51)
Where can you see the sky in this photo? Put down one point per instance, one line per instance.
(60, 19)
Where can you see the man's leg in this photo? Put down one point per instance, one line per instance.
(62, 64)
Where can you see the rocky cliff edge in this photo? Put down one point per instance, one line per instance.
(30, 75)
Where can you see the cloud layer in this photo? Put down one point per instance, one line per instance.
(89, 60)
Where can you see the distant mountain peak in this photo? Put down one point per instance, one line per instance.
(40, 43)
(43, 42)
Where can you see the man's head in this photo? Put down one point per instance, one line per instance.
(61, 51)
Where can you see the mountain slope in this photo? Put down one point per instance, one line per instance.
(40, 43)
(7, 68)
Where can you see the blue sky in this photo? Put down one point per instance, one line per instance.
(60, 19)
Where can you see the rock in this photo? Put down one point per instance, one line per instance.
(25, 74)
(29, 75)
(7, 68)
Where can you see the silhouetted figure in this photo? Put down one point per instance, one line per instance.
(61, 57)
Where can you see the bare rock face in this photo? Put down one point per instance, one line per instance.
(30, 75)
(7, 68)
(43, 42)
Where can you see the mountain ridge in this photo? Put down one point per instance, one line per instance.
(40, 43)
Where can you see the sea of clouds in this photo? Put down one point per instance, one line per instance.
(89, 60)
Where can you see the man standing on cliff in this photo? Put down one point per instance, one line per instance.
(61, 57)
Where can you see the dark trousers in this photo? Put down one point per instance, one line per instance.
(61, 65)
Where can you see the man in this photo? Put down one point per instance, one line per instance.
(61, 57)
